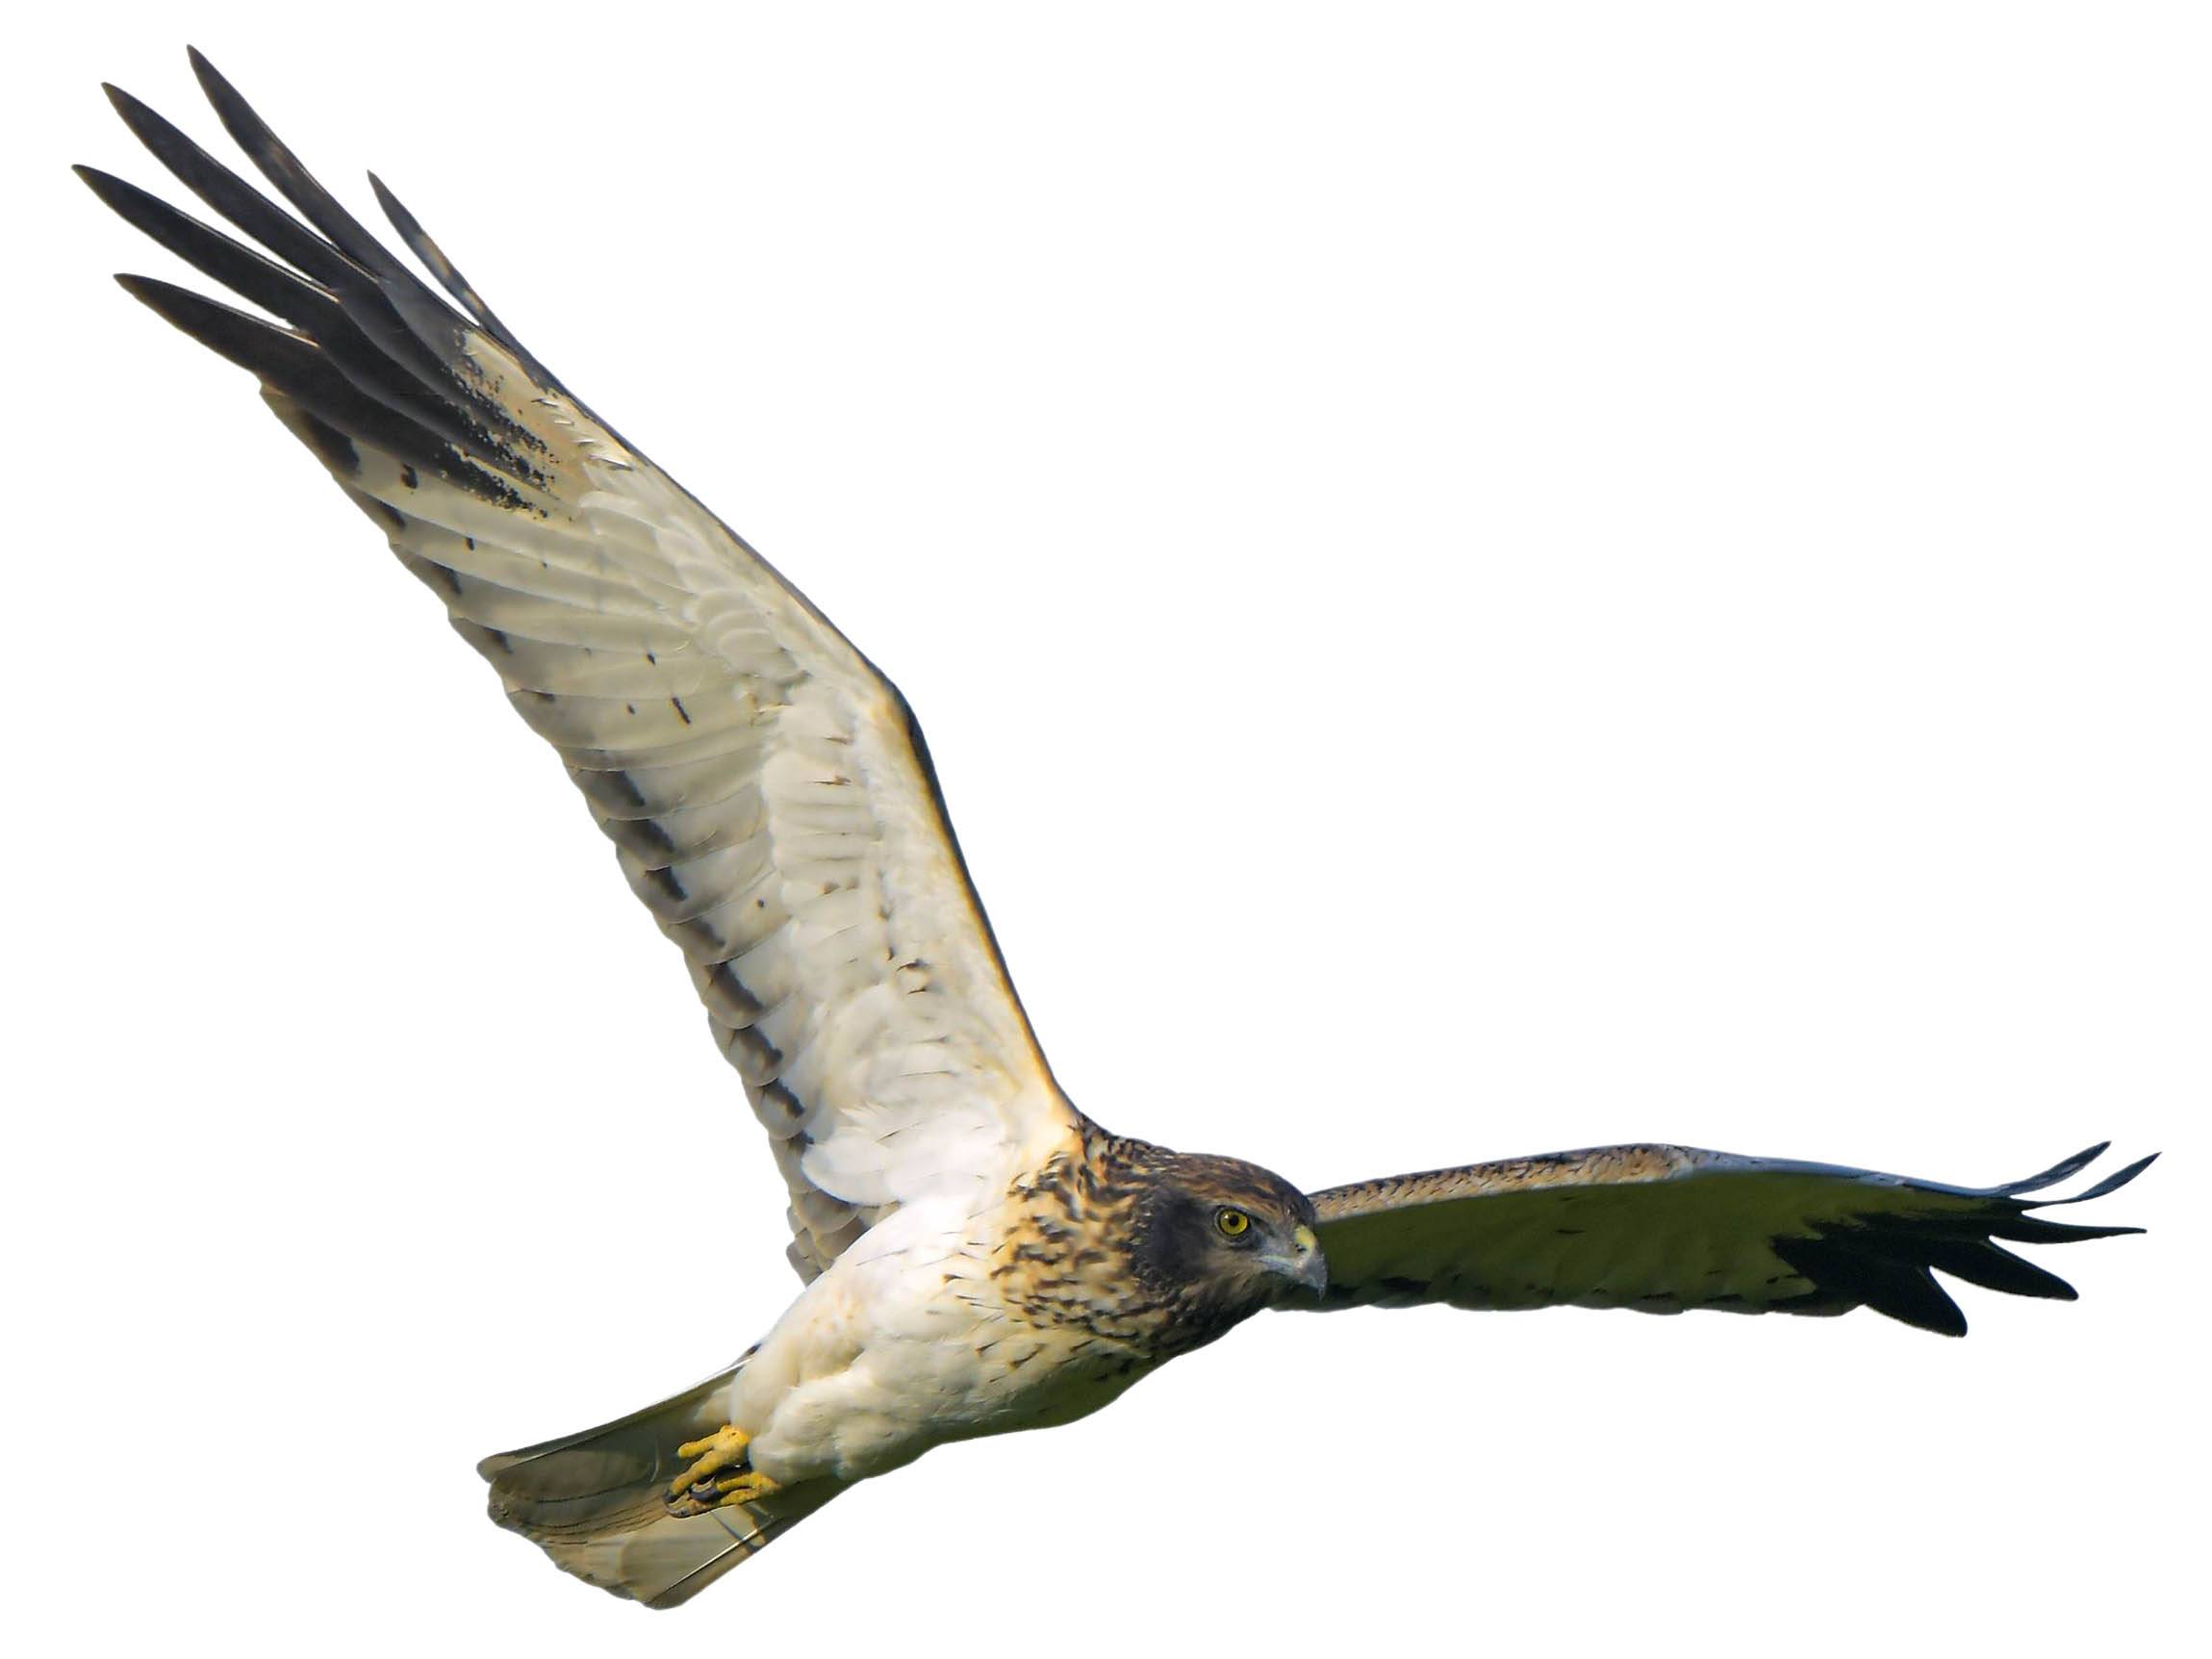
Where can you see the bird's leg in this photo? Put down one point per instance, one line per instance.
(705, 1485)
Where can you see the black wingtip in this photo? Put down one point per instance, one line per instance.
(156, 296)
(131, 108)
(1938, 1314)
(179, 306)
(1878, 1265)
(412, 233)
(419, 243)
(1985, 1263)
(229, 102)
(2063, 1170)
(117, 193)
(2112, 1183)
(114, 193)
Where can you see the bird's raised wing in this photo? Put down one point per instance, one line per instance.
(1662, 1229)
(767, 791)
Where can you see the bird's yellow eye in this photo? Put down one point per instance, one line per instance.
(1234, 1223)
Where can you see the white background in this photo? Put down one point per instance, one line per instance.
(1479, 581)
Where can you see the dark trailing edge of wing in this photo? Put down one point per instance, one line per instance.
(372, 353)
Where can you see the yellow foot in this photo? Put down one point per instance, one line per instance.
(704, 1485)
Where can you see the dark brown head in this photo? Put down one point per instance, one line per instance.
(1221, 1240)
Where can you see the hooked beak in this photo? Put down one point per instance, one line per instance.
(1306, 1266)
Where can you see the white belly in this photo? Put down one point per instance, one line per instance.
(905, 1344)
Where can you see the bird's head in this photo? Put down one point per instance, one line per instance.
(1225, 1238)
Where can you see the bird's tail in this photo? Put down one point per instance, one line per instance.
(594, 1501)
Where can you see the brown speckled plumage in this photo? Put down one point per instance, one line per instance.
(1092, 1246)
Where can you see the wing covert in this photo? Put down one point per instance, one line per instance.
(767, 789)
(1663, 1229)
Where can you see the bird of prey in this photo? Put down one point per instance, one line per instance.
(978, 1255)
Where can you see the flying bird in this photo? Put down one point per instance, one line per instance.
(977, 1255)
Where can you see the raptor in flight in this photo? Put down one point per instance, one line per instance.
(978, 1255)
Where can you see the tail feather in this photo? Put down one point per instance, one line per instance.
(593, 1501)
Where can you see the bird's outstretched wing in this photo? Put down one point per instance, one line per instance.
(767, 790)
(1662, 1229)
